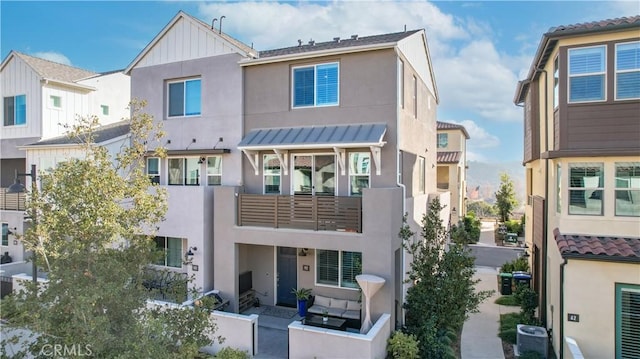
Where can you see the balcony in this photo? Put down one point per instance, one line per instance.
(12, 201)
(443, 185)
(318, 213)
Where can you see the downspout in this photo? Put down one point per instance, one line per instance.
(401, 185)
(545, 226)
(564, 263)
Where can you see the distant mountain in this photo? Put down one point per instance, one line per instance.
(483, 180)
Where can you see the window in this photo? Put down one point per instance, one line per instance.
(271, 173)
(316, 85)
(55, 101)
(586, 182)
(556, 83)
(628, 71)
(628, 189)
(338, 268)
(171, 249)
(558, 188)
(415, 97)
(421, 170)
(359, 172)
(184, 98)
(184, 171)
(587, 74)
(5, 234)
(314, 175)
(627, 321)
(443, 140)
(214, 170)
(401, 83)
(153, 169)
(15, 110)
(105, 110)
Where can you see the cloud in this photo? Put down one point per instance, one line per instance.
(53, 56)
(480, 138)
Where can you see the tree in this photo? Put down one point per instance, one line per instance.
(506, 200)
(442, 294)
(481, 209)
(93, 215)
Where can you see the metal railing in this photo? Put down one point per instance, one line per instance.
(318, 213)
(12, 201)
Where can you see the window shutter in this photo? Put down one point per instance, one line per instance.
(628, 331)
(327, 266)
(176, 99)
(586, 61)
(327, 88)
(628, 56)
(351, 267)
(303, 86)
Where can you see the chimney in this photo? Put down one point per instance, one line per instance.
(336, 39)
(354, 37)
(311, 42)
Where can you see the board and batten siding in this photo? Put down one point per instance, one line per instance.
(18, 78)
(113, 90)
(73, 102)
(414, 49)
(186, 40)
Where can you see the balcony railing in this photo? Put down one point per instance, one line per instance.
(11, 201)
(443, 185)
(318, 213)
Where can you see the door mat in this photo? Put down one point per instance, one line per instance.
(278, 312)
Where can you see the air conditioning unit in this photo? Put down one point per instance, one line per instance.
(532, 338)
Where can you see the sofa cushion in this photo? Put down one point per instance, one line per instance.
(339, 304)
(335, 312)
(353, 305)
(317, 309)
(322, 301)
(351, 314)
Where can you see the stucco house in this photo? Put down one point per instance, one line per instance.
(39, 99)
(452, 166)
(581, 103)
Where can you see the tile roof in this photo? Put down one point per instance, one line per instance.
(595, 26)
(452, 126)
(100, 134)
(449, 156)
(53, 70)
(598, 247)
(337, 43)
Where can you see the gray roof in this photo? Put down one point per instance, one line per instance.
(100, 134)
(338, 43)
(449, 156)
(53, 70)
(314, 137)
(452, 126)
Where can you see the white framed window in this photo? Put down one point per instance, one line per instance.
(171, 249)
(558, 187)
(15, 110)
(105, 110)
(628, 71)
(214, 170)
(55, 102)
(184, 171)
(628, 189)
(443, 140)
(401, 83)
(153, 169)
(627, 320)
(586, 188)
(315, 85)
(271, 173)
(314, 174)
(421, 174)
(184, 98)
(359, 172)
(415, 97)
(5, 234)
(338, 268)
(556, 83)
(587, 74)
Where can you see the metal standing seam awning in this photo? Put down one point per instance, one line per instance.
(340, 137)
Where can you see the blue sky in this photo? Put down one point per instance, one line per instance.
(479, 49)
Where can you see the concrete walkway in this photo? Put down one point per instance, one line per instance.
(480, 332)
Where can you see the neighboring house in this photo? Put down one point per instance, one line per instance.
(582, 156)
(339, 142)
(39, 99)
(452, 166)
(190, 77)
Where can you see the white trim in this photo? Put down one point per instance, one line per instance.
(264, 174)
(253, 158)
(615, 71)
(184, 100)
(569, 76)
(315, 84)
(206, 171)
(313, 179)
(360, 175)
(313, 146)
(283, 158)
(376, 156)
(315, 268)
(146, 168)
(341, 155)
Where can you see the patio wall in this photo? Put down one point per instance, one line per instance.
(313, 342)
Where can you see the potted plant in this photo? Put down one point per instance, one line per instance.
(302, 295)
(325, 316)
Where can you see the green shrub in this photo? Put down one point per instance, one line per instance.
(520, 264)
(509, 300)
(513, 226)
(232, 353)
(509, 335)
(402, 346)
(528, 300)
(509, 321)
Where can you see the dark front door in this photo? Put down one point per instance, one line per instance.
(287, 276)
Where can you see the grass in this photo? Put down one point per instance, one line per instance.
(509, 300)
(508, 327)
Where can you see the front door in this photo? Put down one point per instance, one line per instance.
(314, 174)
(287, 276)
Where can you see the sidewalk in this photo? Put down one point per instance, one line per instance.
(480, 332)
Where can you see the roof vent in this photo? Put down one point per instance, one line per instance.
(299, 42)
(336, 39)
(354, 37)
(311, 42)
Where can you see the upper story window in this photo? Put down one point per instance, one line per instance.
(105, 110)
(443, 140)
(316, 85)
(271, 173)
(586, 188)
(214, 170)
(558, 186)
(55, 101)
(401, 83)
(184, 171)
(5, 234)
(587, 74)
(415, 97)
(359, 172)
(15, 110)
(153, 169)
(421, 174)
(184, 98)
(628, 189)
(628, 71)
(556, 83)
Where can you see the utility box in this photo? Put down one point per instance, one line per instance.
(532, 338)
